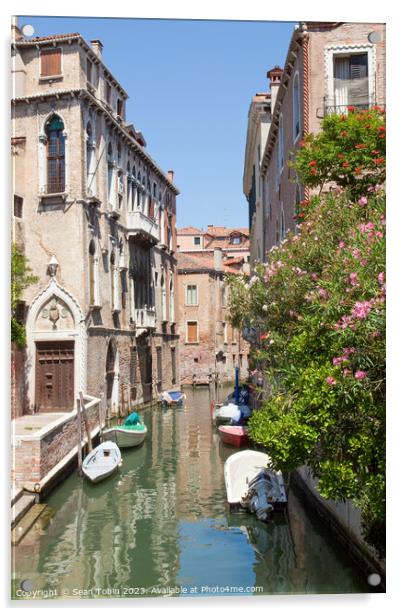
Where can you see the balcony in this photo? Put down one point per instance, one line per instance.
(142, 227)
(145, 318)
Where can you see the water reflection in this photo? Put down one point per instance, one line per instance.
(163, 522)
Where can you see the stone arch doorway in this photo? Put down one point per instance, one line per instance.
(112, 378)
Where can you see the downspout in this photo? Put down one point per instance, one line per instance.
(306, 105)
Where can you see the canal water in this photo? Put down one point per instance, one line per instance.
(161, 527)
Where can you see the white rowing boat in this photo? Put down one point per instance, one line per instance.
(102, 462)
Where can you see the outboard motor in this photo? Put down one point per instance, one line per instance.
(260, 496)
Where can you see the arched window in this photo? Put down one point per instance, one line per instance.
(171, 299)
(129, 186)
(282, 224)
(55, 155)
(114, 282)
(91, 163)
(296, 107)
(110, 176)
(92, 274)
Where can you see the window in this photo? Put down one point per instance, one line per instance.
(18, 206)
(120, 104)
(235, 240)
(171, 299)
(92, 273)
(174, 372)
(192, 332)
(282, 224)
(110, 176)
(351, 80)
(91, 163)
(159, 368)
(108, 93)
(279, 150)
(197, 241)
(50, 62)
(225, 332)
(89, 70)
(191, 295)
(55, 155)
(296, 107)
(133, 367)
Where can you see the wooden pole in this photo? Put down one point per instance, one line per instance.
(100, 414)
(86, 422)
(79, 437)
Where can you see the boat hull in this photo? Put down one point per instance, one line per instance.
(236, 436)
(102, 462)
(125, 438)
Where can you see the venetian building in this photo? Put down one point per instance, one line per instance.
(96, 217)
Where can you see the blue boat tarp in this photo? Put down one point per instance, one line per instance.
(133, 419)
(175, 395)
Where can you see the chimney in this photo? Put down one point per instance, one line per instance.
(274, 75)
(170, 175)
(218, 259)
(97, 47)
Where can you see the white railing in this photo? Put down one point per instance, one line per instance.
(145, 317)
(140, 224)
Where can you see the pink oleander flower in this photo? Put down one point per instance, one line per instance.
(348, 351)
(323, 293)
(362, 201)
(341, 245)
(314, 276)
(361, 309)
(356, 253)
(360, 374)
(330, 380)
(338, 360)
(346, 372)
(381, 277)
(353, 279)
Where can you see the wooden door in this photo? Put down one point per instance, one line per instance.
(55, 376)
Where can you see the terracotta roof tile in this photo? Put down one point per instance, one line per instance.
(54, 36)
(189, 231)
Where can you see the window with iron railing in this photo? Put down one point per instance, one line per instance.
(55, 155)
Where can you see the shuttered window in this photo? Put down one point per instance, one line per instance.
(192, 331)
(50, 62)
(191, 295)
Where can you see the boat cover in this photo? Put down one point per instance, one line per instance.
(175, 395)
(132, 420)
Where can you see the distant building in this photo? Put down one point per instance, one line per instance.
(328, 67)
(234, 243)
(210, 348)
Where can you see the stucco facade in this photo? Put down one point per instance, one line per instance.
(97, 222)
(210, 349)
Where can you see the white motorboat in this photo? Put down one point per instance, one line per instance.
(102, 462)
(251, 485)
(228, 413)
(173, 397)
(126, 436)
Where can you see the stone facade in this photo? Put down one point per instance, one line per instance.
(301, 94)
(98, 225)
(210, 349)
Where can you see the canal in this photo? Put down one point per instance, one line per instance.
(162, 527)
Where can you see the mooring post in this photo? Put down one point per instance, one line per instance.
(79, 437)
(86, 422)
(237, 392)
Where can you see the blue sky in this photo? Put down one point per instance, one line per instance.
(190, 84)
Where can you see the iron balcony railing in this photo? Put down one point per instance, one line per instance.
(345, 109)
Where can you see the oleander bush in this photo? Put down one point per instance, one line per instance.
(319, 305)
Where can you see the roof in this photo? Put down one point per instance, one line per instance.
(189, 231)
(226, 231)
(201, 261)
(53, 36)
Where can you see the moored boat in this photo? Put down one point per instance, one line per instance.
(236, 436)
(130, 434)
(172, 398)
(102, 462)
(251, 485)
